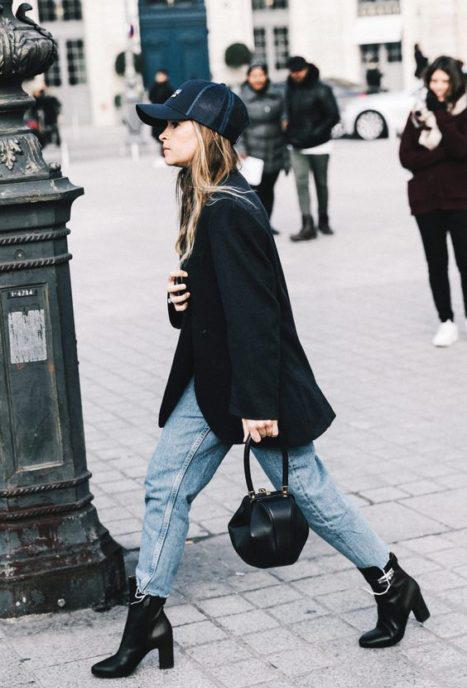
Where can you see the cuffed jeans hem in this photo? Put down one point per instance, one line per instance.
(153, 591)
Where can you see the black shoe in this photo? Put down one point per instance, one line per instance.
(307, 231)
(396, 594)
(323, 225)
(147, 628)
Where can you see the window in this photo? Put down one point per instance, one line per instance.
(370, 52)
(270, 4)
(72, 10)
(394, 52)
(76, 62)
(53, 76)
(47, 10)
(60, 10)
(260, 45)
(281, 46)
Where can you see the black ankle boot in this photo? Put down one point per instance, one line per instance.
(147, 628)
(307, 231)
(323, 225)
(396, 594)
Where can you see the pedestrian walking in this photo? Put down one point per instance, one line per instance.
(312, 113)
(373, 77)
(434, 148)
(264, 137)
(42, 117)
(239, 370)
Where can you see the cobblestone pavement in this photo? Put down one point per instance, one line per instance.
(398, 446)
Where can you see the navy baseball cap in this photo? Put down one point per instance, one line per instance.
(206, 102)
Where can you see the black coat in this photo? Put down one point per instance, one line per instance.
(439, 179)
(312, 111)
(238, 336)
(264, 137)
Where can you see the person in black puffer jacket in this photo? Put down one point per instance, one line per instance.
(312, 114)
(264, 137)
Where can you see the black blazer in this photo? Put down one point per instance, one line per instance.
(238, 336)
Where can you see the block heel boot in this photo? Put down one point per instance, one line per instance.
(147, 628)
(396, 594)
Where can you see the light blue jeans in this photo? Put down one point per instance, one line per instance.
(186, 458)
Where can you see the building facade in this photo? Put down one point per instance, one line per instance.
(343, 37)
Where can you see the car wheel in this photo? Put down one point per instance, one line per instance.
(370, 125)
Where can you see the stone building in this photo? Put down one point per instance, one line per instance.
(189, 37)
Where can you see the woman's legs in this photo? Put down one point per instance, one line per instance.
(457, 223)
(327, 510)
(186, 457)
(433, 231)
(265, 190)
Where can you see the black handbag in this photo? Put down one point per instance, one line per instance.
(269, 528)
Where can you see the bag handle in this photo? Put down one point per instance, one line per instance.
(246, 464)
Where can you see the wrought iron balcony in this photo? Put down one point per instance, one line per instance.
(374, 8)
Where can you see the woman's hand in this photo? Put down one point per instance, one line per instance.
(259, 429)
(433, 103)
(179, 300)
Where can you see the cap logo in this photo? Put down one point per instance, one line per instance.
(175, 93)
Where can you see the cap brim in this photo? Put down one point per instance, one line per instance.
(156, 115)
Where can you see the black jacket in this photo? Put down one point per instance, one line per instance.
(312, 111)
(238, 336)
(264, 137)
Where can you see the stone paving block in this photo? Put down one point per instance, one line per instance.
(274, 641)
(458, 537)
(319, 585)
(252, 581)
(394, 521)
(451, 558)
(451, 512)
(449, 625)
(299, 661)
(270, 597)
(383, 494)
(182, 614)
(198, 633)
(440, 580)
(222, 606)
(300, 610)
(302, 569)
(13, 670)
(203, 590)
(324, 628)
(219, 653)
(244, 674)
(429, 543)
(248, 622)
(421, 487)
(434, 656)
(453, 677)
(346, 600)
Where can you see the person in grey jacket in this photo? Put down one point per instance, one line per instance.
(264, 137)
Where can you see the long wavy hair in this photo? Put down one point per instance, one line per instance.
(215, 158)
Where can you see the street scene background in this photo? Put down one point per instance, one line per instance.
(365, 317)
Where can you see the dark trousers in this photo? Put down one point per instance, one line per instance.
(434, 228)
(265, 190)
(302, 164)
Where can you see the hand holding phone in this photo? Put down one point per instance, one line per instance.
(177, 290)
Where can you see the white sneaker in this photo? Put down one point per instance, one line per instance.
(446, 335)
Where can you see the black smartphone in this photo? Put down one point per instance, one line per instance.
(180, 280)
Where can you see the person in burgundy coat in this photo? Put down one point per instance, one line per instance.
(434, 148)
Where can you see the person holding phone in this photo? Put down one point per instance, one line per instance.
(239, 370)
(434, 148)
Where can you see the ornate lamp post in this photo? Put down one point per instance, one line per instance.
(54, 552)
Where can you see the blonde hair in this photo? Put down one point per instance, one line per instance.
(215, 158)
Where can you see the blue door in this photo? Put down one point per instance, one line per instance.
(174, 37)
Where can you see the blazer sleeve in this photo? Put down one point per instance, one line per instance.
(248, 291)
(413, 156)
(175, 317)
(454, 139)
